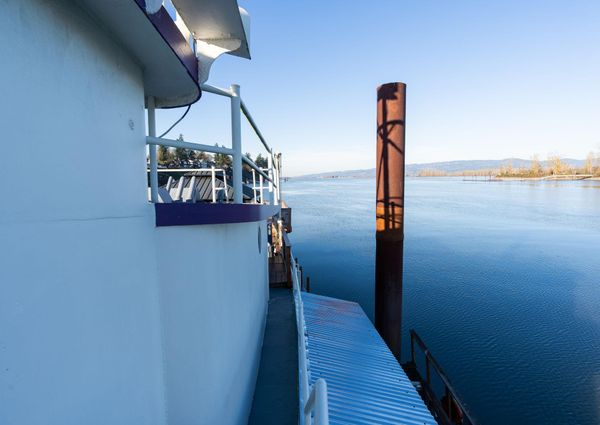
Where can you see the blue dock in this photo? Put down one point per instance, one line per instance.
(365, 383)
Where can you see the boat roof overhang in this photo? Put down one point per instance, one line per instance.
(168, 61)
(217, 22)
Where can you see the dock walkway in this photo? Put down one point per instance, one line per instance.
(365, 383)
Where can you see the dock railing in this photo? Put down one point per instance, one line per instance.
(314, 408)
(449, 409)
(272, 174)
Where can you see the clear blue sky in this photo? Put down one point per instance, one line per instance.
(486, 80)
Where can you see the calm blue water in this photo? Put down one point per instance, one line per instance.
(502, 281)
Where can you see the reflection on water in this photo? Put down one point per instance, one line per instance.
(502, 281)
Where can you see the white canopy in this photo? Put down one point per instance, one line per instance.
(221, 23)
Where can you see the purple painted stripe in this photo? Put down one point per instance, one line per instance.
(166, 27)
(184, 214)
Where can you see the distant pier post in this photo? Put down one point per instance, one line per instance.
(391, 106)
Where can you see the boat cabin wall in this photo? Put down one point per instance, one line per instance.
(214, 293)
(96, 302)
(78, 312)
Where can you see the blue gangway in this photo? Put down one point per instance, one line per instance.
(365, 383)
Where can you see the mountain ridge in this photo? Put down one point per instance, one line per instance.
(442, 166)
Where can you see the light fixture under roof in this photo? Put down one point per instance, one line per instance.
(218, 26)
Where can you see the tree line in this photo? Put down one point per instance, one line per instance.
(553, 166)
(188, 158)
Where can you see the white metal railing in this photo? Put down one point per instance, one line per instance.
(272, 174)
(314, 407)
(257, 191)
(177, 186)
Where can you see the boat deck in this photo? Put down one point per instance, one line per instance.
(276, 394)
(365, 383)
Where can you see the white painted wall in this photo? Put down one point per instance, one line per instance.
(90, 290)
(214, 292)
(80, 338)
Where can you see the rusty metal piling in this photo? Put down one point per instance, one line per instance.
(391, 114)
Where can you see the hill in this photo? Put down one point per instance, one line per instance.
(446, 167)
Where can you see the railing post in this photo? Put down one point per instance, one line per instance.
(254, 185)
(448, 401)
(152, 149)
(236, 144)
(322, 405)
(260, 179)
(278, 178)
(225, 187)
(271, 174)
(214, 184)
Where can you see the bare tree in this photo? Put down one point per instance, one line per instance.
(536, 166)
(556, 164)
(588, 166)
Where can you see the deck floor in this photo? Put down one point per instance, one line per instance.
(276, 394)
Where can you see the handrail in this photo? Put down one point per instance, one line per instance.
(313, 400)
(187, 145)
(216, 90)
(227, 93)
(273, 174)
(253, 165)
(449, 389)
(255, 127)
(257, 191)
(186, 170)
(205, 148)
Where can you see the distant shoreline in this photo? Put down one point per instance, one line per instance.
(550, 178)
(493, 168)
(465, 177)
